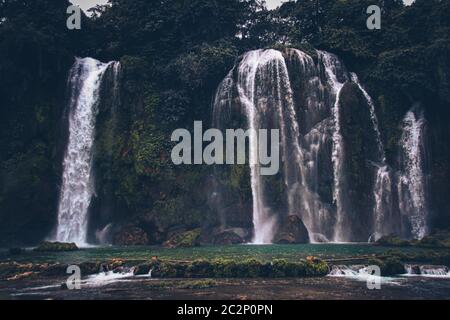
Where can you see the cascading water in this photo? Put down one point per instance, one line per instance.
(264, 90)
(77, 185)
(411, 179)
(330, 63)
(382, 191)
(263, 76)
(301, 97)
(427, 271)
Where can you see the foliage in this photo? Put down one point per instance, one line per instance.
(173, 54)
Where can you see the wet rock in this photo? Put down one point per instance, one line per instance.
(438, 239)
(392, 240)
(142, 269)
(392, 267)
(131, 236)
(88, 268)
(227, 238)
(48, 246)
(292, 231)
(21, 276)
(54, 270)
(174, 230)
(184, 240)
(415, 269)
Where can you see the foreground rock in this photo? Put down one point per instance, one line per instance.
(186, 239)
(48, 246)
(390, 266)
(131, 236)
(292, 231)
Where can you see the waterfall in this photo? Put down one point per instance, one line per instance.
(77, 186)
(262, 76)
(330, 63)
(264, 89)
(300, 95)
(411, 178)
(373, 118)
(382, 190)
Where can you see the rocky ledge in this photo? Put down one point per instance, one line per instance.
(48, 246)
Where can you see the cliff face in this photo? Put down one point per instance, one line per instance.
(136, 185)
(169, 77)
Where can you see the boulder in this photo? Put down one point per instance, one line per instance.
(392, 241)
(142, 269)
(241, 232)
(130, 236)
(391, 267)
(48, 246)
(227, 238)
(292, 230)
(184, 239)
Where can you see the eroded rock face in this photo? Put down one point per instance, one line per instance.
(131, 236)
(184, 239)
(227, 238)
(292, 230)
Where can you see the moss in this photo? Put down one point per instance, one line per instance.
(171, 270)
(225, 268)
(391, 267)
(184, 240)
(184, 284)
(200, 269)
(197, 284)
(249, 268)
(439, 239)
(392, 240)
(48, 246)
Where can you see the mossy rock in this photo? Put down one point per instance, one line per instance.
(440, 239)
(227, 238)
(391, 267)
(392, 241)
(48, 246)
(247, 268)
(186, 239)
(292, 231)
(131, 236)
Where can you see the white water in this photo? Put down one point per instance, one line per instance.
(411, 181)
(265, 91)
(256, 63)
(330, 61)
(427, 271)
(382, 191)
(77, 185)
(373, 118)
(291, 92)
(359, 273)
(104, 278)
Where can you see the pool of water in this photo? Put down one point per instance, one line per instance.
(260, 252)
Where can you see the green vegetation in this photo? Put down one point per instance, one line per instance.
(173, 55)
(440, 239)
(184, 240)
(48, 246)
